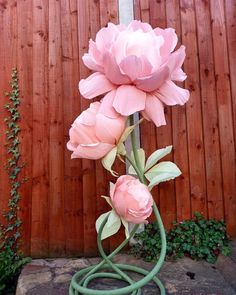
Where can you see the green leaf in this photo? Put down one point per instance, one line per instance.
(126, 225)
(156, 156)
(109, 160)
(163, 171)
(121, 149)
(127, 132)
(112, 225)
(108, 199)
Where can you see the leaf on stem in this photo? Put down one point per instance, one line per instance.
(156, 156)
(112, 225)
(163, 171)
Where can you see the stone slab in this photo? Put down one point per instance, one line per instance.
(185, 276)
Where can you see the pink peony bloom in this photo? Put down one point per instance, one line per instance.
(131, 199)
(138, 66)
(93, 134)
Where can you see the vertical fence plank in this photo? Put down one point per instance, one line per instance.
(25, 71)
(73, 176)
(209, 112)
(230, 15)
(56, 133)
(164, 133)
(8, 58)
(193, 107)
(179, 129)
(40, 142)
(88, 167)
(225, 111)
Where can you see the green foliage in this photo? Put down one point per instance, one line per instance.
(10, 259)
(197, 238)
(10, 266)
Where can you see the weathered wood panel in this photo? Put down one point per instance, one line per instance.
(61, 199)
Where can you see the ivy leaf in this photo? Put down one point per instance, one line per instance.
(163, 171)
(156, 156)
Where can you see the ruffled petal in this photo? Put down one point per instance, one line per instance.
(95, 85)
(93, 151)
(91, 63)
(109, 130)
(135, 67)
(154, 111)
(154, 81)
(176, 59)
(128, 100)
(138, 25)
(106, 107)
(170, 38)
(112, 70)
(171, 94)
(178, 75)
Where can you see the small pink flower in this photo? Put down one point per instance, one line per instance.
(93, 134)
(131, 199)
(136, 66)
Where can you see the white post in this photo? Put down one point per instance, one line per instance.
(126, 15)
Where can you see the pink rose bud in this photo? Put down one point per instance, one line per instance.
(131, 199)
(93, 134)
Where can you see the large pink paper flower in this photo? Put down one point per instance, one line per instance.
(93, 134)
(136, 65)
(131, 199)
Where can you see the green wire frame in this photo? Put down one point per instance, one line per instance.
(80, 281)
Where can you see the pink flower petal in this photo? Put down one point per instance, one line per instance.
(138, 25)
(81, 135)
(106, 107)
(91, 63)
(109, 130)
(178, 75)
(154, 81)
(93, 151)
(170, 38)
(129, 100)
(135, 67)
(154, 110)
(171, 94)
(112, 70)
(176, 59)
(95, 85)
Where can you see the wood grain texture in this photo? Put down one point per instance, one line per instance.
(61, 199)
(224, 102)
(193, 110)
(25, 72)
(40, 141)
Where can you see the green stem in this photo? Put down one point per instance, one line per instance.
(130, 160)
(135, 151)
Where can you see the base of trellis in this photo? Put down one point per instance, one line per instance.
(107, 269)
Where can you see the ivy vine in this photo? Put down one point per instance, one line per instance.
(10, 232)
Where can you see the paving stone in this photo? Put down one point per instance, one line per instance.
(185, 276)
(62, 278)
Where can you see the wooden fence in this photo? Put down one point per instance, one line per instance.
(60, 201)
